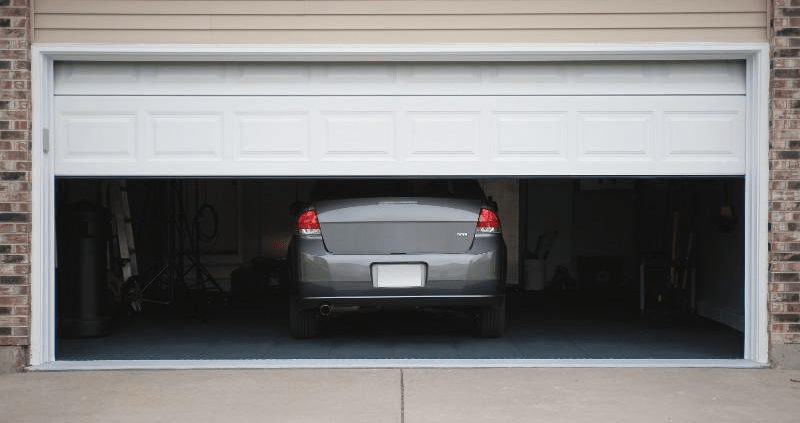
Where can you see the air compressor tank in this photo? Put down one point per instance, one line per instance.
(84, 300)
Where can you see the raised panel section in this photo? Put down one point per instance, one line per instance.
(447, 135)
(529, 73)
(185, 72)
(444, 73)
(535, 135)
(359, 136)
(82, 78)
(399, 135)
(424, 79)
(615, 134)
(274, 73)
(703, 71)
(702, 134)
(87, 138)
(273, 136)
(611, 72)
(357, 72)
(186, 137)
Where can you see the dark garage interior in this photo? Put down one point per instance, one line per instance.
(598, 268)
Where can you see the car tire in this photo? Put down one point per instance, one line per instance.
(492, 321)
(303, 324)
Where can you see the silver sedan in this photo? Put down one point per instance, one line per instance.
(397, 243)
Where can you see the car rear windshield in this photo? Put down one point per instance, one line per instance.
(328, 189)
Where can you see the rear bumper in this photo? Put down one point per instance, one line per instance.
(475, 278)
(402, 302)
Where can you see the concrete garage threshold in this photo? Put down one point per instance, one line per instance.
(404, 395)
(103, 365)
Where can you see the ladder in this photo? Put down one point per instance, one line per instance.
(122, 229)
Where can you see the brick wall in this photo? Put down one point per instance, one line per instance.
(784, 201)
(15, 186)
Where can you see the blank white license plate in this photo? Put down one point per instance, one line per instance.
(398, 275)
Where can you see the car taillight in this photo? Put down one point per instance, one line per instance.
(307, 223)
(488, 221)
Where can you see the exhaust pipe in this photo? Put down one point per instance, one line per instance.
(325, 310)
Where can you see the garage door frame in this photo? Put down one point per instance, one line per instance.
(756, 56)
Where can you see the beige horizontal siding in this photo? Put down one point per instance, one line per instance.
(190, 21)
(388, 37)
(394, 22)
(415, 7)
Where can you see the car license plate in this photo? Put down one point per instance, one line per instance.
(392, 275)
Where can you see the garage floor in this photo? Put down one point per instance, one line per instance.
(536, 331)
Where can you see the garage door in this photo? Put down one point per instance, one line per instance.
(267, 119)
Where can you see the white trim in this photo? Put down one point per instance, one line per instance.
(756, 190)
(43, 227)
(757, 211)
(399, 52)
(382, 364)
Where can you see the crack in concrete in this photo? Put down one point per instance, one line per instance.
(402, 398)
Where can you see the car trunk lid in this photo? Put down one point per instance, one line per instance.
(398, 225)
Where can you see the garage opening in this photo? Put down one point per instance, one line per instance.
(596, 268)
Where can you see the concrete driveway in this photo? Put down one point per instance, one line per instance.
(404, 395)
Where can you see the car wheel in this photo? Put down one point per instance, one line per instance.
(302, 323)
(492, 321)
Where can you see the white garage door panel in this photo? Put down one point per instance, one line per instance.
(698, 135)
(399, 135)
(179, 136)
(626, 135)
(532, 135)
(79, 135)
(279, 135)
(519, 78)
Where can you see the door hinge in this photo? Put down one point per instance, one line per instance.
(46, 140)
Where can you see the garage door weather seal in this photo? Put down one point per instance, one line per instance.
(382, 364)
